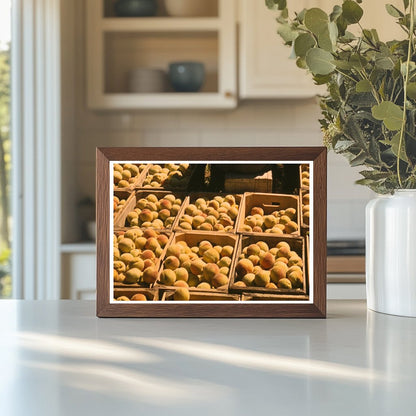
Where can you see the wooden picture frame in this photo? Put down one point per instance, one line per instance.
(249, 304)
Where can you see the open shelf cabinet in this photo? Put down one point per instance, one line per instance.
(117, 45)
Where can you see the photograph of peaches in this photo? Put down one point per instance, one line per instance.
(210, 232)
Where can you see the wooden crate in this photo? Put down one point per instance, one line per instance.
(139, 178)
(138, 194)
(183, 186)
(192, 239)
(193, 196)
(151, 294)
(240, 183)
(121, 195)
(269, 203)
(303, 225)
(297, 244)
(270, 298)
(158, 261)
(303, 168)
(203, 296)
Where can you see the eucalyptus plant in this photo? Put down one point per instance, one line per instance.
(369, 111)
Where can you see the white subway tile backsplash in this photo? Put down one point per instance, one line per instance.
(346, 219)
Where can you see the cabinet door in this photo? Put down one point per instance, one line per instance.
(265, 68)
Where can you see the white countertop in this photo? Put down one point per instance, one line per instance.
(57, 358)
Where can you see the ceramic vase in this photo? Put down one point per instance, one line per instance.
(391, 253)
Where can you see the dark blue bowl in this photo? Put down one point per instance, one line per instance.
(186, 76)
(135, 8)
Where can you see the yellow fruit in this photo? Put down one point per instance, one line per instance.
(181, 293)
(204, 285)
(181, 274)
(211, 256)
(171, 263)
(132, 276)
(126, 245)
(219, 280)
(262, 278)
(243, 267)
(267, 261)
(139, 297)
(278, 272)
(209, 271)
(150, 275)
(167, 277)
(248, 279)
(284, 284)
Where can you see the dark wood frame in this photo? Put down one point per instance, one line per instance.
(317, 309)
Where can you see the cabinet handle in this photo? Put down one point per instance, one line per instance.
(229, 94)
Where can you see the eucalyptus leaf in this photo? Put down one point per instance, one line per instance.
(393, 11)
(336, 12)
(276, 4)
(395, 142)
(301, 63)
(363, 86)
(384, 62)
(303, 43)
(316, 20)
(324, 41)
(388, 112)
(287, 33)
(319, 61)
(411, 90)
(344, 65)
(351, 11)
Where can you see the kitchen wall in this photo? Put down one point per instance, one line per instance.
(253, 123)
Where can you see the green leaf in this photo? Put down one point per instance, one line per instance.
(324, 41)
(319, 61)
(301, 63)
(406, 4)
(358, 61)
(301, 15)
(384, 62)
(411, 90)
(336, 12)
(276, 4)
(395, 141)
(287, 33)
(363, 86)
(393, 11)
(388, 112)
(321, 79)
(344, 65)
(351, 11)
(316, 20)
(358, 160)
(303, 43)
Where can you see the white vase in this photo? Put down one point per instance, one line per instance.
(391, 253)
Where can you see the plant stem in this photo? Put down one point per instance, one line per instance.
(406, 80)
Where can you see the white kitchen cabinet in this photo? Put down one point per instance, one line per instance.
(78, 263)
(265, 70)
(117, 45)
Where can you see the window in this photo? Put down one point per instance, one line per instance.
(5, 148)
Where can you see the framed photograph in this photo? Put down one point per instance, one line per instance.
(211, 232)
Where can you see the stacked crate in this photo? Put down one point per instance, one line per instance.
(171, 244)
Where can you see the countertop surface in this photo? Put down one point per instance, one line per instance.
(57, 358)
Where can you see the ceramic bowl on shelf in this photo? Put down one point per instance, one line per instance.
(135, 8)
(186, 76)
(147, 80)
(191, 8)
